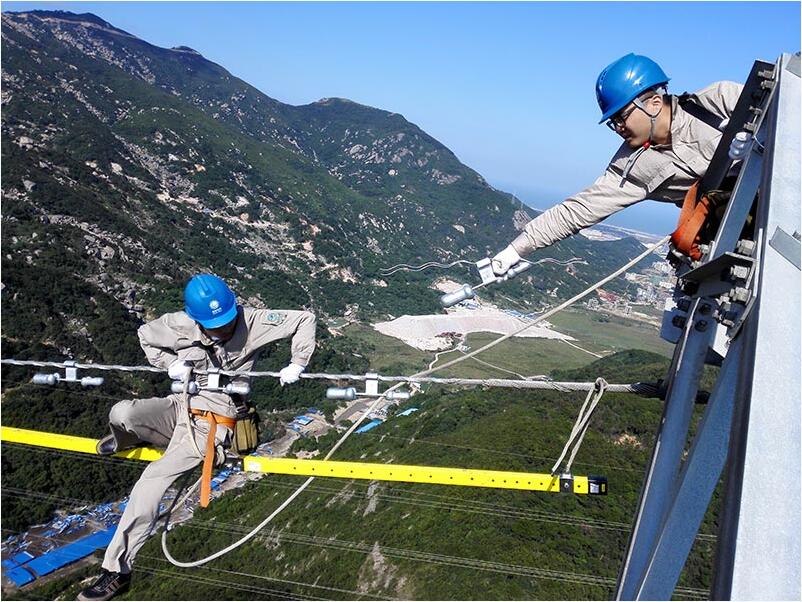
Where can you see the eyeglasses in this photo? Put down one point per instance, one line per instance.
(617, 122)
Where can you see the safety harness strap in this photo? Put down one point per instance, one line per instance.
(208, 459)
(690, 106)
(697, 205)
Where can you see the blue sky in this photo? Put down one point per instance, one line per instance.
(509, 87)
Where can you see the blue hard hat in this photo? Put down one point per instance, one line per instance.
(623, 80)
(209, 301)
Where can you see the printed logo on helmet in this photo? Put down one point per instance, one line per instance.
(214, 305)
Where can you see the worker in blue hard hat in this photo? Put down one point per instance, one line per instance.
(213, 332)
(668, 142)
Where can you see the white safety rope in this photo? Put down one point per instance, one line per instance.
(419, 377)
(580, 426)
(347, 434)
(278, 510)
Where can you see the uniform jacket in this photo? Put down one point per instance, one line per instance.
(176, 336)
(661, 173)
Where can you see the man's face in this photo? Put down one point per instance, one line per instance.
(221, 334)
(633, 124)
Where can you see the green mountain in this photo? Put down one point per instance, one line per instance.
(127, 167)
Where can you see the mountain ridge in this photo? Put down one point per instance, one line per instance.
(337, 186)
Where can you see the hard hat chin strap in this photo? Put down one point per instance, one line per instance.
(652, 118)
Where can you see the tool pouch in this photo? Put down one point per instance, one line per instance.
(246, 431)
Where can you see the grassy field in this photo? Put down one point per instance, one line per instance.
(604, 333)
(386, 354)
(595, 332)
(527, 357)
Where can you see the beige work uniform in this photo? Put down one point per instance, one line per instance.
(158, 421)
(661, 173)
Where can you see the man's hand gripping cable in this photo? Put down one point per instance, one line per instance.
(489, 276)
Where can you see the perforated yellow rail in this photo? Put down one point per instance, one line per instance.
(465, 477)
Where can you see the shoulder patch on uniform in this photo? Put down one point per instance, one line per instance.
(275, 317)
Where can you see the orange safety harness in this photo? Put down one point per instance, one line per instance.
(697, 219)
(691, 219)
(208, 459)
(696, 208)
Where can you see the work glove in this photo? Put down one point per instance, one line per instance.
(504, 260)
(179, 370)
(290, 374)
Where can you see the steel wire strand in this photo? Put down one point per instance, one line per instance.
(415, 555)
(415, 498)
(29, 384)
(458, 562)
(463, 503)
(523, 514)
(279, 580)
(252, 589)
(461, 562)
(77, 455)
(227, 584)
(469, 562)
(413, 439)
(379, 399)
(500, 369)
(640, 388)
(491, 510)
(465, 506)
(419, 268)
(434, 264)
(470, 506)
(554, 310)
(208, 580)
(28, 493)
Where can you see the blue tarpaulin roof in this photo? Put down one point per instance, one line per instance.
(303, 420)
(20, 576)
(407, 412)
(17, 560)
(54, 560)
(372, 424)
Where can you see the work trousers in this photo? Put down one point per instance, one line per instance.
(156, 421)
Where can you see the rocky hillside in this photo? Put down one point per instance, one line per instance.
(127, 167)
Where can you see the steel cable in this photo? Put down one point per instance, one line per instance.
(647, 389)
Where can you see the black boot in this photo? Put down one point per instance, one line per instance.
(106, 446)
(106, 586)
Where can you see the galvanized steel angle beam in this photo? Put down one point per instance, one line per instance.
(708, 280)
(669, 447)
(786, 245)
(747, 109)
(699, 477)
(759, 552)
(721, 274)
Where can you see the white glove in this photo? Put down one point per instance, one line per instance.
(503, 261)
(179, 370)
(290, 374)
